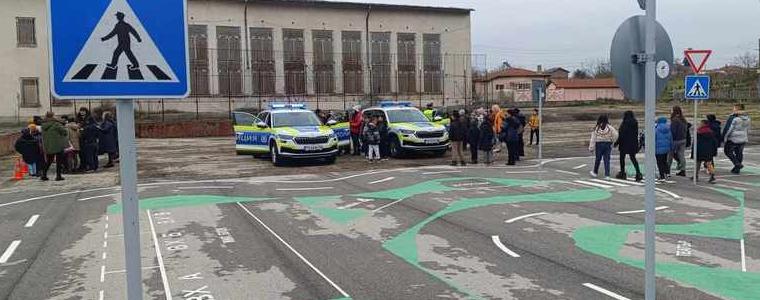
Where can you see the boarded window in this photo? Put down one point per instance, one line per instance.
(324, 65)
(262, 61)
(380, 43)
(407, 83)
(432, 63)
(295, 66)
(25, 33)
(30, 95)
(229, 60)
(199, 75)
(353, 80)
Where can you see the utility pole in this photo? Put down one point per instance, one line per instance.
(650, 100)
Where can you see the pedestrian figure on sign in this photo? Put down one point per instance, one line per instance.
(122, 31)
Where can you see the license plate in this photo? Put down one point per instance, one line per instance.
(431, 141)
(312, 148)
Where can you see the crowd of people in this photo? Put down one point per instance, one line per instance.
(672, 138)
(73, 143)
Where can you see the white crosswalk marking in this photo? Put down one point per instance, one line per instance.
(604, 186)
(609, 182)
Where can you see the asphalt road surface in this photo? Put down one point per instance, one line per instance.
(525, 232)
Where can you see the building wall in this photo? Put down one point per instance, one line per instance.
(589, 94)
(522, 90)
(453, 28)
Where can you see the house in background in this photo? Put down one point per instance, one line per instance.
(509, 85)
(558, 73)
(583, 90)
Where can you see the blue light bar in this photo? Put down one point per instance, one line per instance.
(287, 106)
(395, 103)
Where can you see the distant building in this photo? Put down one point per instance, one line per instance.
(583, 90)
(245, 53)
(509, 85)
(558, 73)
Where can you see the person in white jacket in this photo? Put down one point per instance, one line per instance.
(602, 138)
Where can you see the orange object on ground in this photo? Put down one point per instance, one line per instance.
(18, 174)
(24, 168)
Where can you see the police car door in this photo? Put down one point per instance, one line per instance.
(244, 125)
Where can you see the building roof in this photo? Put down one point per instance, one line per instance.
(606, 83)
(552, 70)
(511, 73)
(359, 5)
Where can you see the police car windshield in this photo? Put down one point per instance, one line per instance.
(406, 116)
(295, 119)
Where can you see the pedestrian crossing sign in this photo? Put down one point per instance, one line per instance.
(697, 87)
(118, 49)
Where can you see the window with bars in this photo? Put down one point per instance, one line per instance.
(431, 53)
(30, 94)
(407, 64)
(380, 43)
(229, 62)
(25, 32)
(353, 75)
(262, 61)
(295, 65)
(199, 74)
(324, 65)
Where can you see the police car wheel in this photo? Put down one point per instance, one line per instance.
(275, 155)
(395, 148)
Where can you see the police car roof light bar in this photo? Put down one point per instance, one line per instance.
(287, 106)
(395, 103)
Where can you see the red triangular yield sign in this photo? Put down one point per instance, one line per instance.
(697, 59)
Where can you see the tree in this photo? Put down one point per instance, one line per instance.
(581, 74)
(602, 69)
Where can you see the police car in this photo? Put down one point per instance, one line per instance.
(284, 132)
(409, 130)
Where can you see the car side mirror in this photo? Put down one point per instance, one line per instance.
(261, 125)
(332, 123)
(437, 118)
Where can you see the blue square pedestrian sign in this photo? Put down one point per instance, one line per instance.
(697, 87)
(118, 49)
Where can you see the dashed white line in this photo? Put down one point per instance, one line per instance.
(52, 196)
(204, 187)
(340, 290)
(9, 251)
(105, 235)
(96, 197)
(105, 244)
(674, 195)
(102, 273)
(104, 255)
(744, 259)
(124, 271)
(100, 295)
(382, 180)
(610, 182)
(31, 221)
(604, 186)
(440, 172)
(640, 211)
(387, 205)
(604, 291)
(512, 220)
(306, 189)
(497, 241)
(167, 290)
(580, 167)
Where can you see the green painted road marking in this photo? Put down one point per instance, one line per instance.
(325, 206)
(608, 240)
(183, 201)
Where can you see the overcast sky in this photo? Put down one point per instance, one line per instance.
(570, 33)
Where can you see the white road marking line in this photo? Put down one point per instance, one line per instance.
(102, 273)
(167, 290)
(364, 199)
(105, 244)
(744, 259)
(100, 295)
(732, 187)
(738, 182)
(340, 290)
(512, 220)
(124, 271)
(610, 182)
(604, 186)
(382, 180)
(104, 255)
(440, 172)
(497, 241)
(96, 197)
(628, 181)
(350, 205)
(580, 167)
(567, 172)
(32, 220)
(105, 234)
(106, 227)
(306, 189)
(106, 218)
(674, 195)
(9, 251)
(387, 205)
(524, 172)
(640, 211)
(204, 187)
(604, 291)
(52, 196)
(469, 184)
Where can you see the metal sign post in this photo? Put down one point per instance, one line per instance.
(650, 105)
(125, 114)
(697, 88)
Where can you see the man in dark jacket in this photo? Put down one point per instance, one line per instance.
(54, 142)
(511, 131)
(486, 139)
(707, 148)
(679, 129)
(30, 148)
(473, 134)
(108, 139)
(382, 126)
(457, 135)
(520, 130)
(89, 144)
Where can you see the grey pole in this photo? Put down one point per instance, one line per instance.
(540, 129)
(130, 211)
(649, 190)
(694, 140)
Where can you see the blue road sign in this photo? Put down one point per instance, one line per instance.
(118, 49)
(697, 87)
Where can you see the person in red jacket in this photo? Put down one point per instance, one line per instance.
(356, 129)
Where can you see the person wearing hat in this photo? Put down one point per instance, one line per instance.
(30, 148)
(356, 124)
(429, 112)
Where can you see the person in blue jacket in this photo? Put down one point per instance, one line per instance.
(663, 144)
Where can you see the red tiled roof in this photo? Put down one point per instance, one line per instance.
(606, 83)
(513, 72)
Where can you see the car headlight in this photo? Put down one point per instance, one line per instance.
(406, 131)
(285, 137)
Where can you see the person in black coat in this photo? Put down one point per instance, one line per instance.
(707, 148)
(108, 139)
(486, 140)
(522, 123)
(90, 139)
(628, 144)
(457, 135)
(382, 126)
(473, 135)
(29, 146)
(511, 132)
